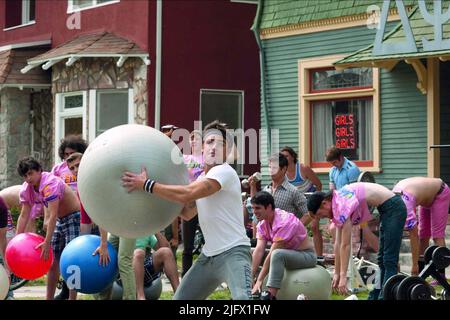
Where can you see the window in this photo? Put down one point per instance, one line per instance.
(329, 79)
(112, 110)
(225, 106)
(345, 123)
(70, 116)
(19, 13)
(77, 5)
(108, 109)
(338, 107)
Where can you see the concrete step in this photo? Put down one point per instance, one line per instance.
(406, 244)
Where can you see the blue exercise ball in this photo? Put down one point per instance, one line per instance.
(82, 271)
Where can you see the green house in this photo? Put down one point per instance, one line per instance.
(357, 74)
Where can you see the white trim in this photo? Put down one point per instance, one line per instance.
(305, 98)
(93, 94)
(84, 119)
(131, 108)
(70, 8)
(50, 63)
(222, 90)
(22, 86)
(92, 111)
(74, 57)
(28, 67)
(26, 11)
(71, 61)
(58, 100)
(25, 44)
(32, 133)
(93, 55)
(121, 61)
(21, 25)
(246, 1)
(158, 57)
(61, 115)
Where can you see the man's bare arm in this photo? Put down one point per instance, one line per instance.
(23, 218)
(178, 193)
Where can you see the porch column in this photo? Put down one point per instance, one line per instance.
(433, 118)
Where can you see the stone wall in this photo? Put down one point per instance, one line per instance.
(103, 73)
(42, 120)
(14, 133)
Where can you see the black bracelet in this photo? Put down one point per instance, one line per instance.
(148, 185)
(152, 185)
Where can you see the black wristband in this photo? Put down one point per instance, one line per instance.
(148, 185)
(152, 184)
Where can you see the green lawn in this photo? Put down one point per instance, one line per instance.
(217, 295)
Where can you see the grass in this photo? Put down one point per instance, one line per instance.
(216, 295)
(37, 282)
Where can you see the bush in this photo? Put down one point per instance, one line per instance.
(15, 213)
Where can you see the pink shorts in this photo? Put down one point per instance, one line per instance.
(433, 220)
(410, 203)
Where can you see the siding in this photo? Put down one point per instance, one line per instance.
(403, 126)
(403, 129)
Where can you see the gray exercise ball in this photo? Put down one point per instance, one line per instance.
(152, 292)
(107, 202)
(313, 283)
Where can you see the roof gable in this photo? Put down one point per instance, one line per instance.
(420, 29)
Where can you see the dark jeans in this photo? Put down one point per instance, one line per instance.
(188, 229)
(392, 220)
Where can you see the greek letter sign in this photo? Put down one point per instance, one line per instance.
(437, 19)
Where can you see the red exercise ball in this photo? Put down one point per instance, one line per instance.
(24, 260)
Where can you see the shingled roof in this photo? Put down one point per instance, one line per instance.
(102, 44)
(92, 44)
(278, 13)
(12, 60)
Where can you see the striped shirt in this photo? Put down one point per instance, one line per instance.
(288, 198)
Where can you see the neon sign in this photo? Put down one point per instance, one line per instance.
(345, 131)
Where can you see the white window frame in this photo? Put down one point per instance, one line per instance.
(93, 109)
(61, 115)
(240, 166)
(305, 98)
(26, 12)
(71, 8)
(246, 1)
(25, 20)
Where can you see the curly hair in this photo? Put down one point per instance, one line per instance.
(75, 142)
